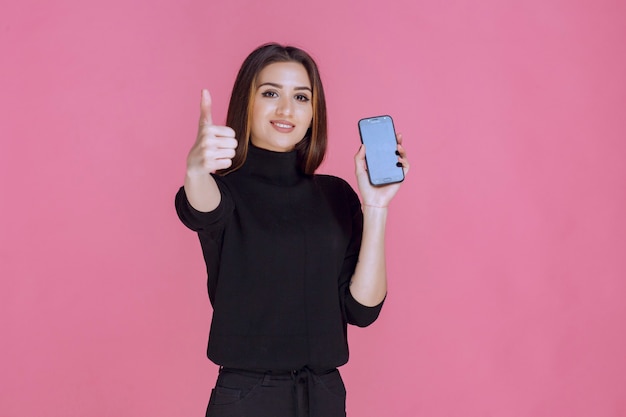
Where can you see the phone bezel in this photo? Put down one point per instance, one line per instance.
(388, 180)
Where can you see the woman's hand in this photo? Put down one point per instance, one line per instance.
(378, 196)
(215, 145)
(214, 149)
(369, 282)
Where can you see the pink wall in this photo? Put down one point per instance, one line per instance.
(506, 245)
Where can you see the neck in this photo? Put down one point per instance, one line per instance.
(280, 168)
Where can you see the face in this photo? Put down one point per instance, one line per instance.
(282, 110)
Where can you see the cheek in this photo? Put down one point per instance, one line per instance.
(306, 119)
(307, 115)
(257, 116)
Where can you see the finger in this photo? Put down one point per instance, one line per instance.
(228, 143)
(359, 160)
(218, 148)
(401, 151)
(223, 154)
(404, 163)
(205, 108)
(402, 159)
(222, 164)
(217, 131)
(399, 138)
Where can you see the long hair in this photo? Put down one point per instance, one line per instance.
(312, 148)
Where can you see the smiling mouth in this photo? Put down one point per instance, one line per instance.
(283, 125)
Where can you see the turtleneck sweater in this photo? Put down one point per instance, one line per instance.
(280, 250)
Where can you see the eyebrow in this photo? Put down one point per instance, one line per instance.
(279, 86)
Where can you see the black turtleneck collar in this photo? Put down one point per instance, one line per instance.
(279, 168)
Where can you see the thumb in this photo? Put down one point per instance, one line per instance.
(359, 160)
(360, 155)
(205, 108)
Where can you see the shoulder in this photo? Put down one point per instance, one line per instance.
(331, 182)
(336, 186)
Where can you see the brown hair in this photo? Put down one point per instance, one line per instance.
(312, 148)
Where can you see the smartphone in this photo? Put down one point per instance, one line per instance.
(379, 137)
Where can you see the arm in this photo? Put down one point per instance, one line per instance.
(213, 150)
(369, 282)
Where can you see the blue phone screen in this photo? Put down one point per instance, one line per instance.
(379, 137)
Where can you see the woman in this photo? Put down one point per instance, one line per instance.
(281, 243)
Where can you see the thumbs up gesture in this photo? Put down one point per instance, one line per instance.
(215, 145)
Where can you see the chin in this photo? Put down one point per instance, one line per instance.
(277, 144)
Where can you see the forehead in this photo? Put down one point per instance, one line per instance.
(285, 73)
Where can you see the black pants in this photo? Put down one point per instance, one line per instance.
(302, 393)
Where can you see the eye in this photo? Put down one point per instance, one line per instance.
(269, 93)
(303, 98)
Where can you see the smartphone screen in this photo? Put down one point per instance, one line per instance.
(379, 137)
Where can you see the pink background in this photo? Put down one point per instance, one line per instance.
(506, 244)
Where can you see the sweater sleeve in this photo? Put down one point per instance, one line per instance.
(359, 314)
(199, 221)
(356, 313)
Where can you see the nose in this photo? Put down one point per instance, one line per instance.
(284, 106)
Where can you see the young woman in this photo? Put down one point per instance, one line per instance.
(292, 256)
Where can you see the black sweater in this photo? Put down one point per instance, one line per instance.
(280, 250)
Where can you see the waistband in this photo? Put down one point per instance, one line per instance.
(302, 380)
(278, 374)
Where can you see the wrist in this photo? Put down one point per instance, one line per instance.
(196, 172)
(378, 206)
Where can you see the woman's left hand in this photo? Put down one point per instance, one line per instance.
(378, 196)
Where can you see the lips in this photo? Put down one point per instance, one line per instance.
(282, 126)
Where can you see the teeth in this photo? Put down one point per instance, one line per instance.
(284, 126)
